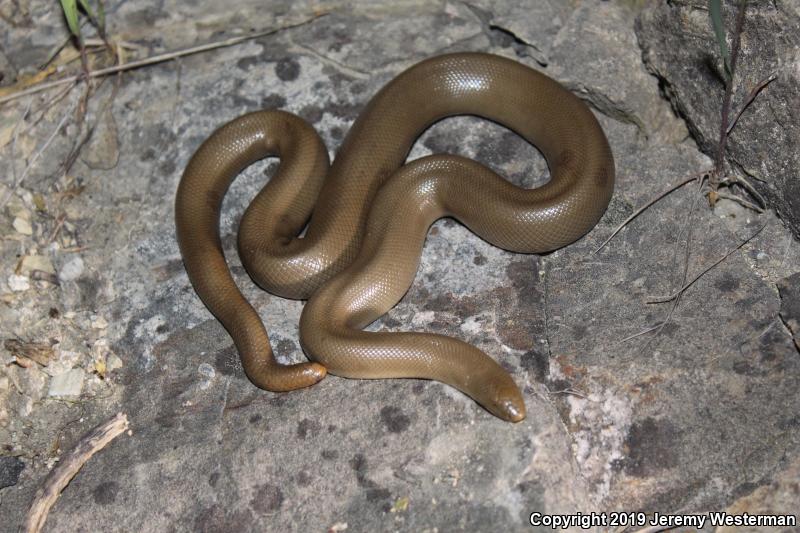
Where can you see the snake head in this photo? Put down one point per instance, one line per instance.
(511, 409)
(506, 402)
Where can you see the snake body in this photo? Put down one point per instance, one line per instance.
(367, 216)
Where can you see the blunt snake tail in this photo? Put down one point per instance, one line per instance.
(367, 215)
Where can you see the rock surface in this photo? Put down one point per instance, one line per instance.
(790, 304)
(679, 47)
(10, 469)
(67, 384)
(700, 417)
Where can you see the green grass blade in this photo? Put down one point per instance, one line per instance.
(87, 9)
(70, 9)
(715, 11)
(101, 15)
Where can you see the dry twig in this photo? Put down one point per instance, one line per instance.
(663, 299)
(159, 58)
(719, 161)
(42, 111)
(699, 175)
(750, 97)
(658, 328)
(36, 156)
(741, 201)
(648, 330)
(15, 135)
(61, 475)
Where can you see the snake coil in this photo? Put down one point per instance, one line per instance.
(367, 216)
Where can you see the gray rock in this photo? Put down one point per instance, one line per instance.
(66, 385)
(10, 469)
(777, 499)
(790, 304)
(679, 47)
(581, 62)
(507, 25)
(71, 270)
(697, 417)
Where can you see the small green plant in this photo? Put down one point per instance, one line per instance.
(70, 8)
(729, 60)
(715, 12)
(716, 176)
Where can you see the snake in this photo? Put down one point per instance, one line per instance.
(347, 236)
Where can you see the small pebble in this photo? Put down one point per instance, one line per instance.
(72, 269)
(68, 384)
(37, 262)
(23, 226)
(207, 372)
(18, 283)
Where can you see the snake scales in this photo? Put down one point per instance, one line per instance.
(368, 213)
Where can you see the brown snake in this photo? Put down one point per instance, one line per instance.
(369, 215)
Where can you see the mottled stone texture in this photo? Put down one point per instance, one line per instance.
(701, 417)
(10, 469)
(679, 47)
(790, 304)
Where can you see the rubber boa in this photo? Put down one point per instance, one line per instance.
(366, 217)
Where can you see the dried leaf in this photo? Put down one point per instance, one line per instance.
(22, 361)
(24, 82)
(39, 202)
(37, 351)
(400, 505)
(713, 196)
(100, 368)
